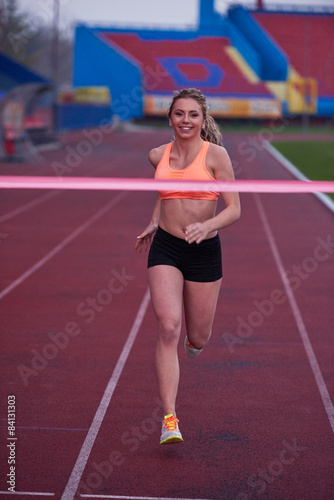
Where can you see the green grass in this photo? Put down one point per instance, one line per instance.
(315, 159)
(251, 126)
(276, 128)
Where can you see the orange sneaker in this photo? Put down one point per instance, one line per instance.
(170, 432)
(191, 351)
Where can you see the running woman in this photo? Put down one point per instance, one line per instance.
(184, 262)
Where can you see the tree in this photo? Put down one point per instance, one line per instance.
(14, 30)
(28, 40)
(39, 54)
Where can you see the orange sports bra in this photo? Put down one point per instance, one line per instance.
(195, 171)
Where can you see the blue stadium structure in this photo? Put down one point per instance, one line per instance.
(13, 74)
(257, 63)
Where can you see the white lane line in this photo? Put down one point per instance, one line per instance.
(120, 497)
(87, 446)
(31, 493)
(324, 198)
(30, 204)
(297, 315)
(62, 244)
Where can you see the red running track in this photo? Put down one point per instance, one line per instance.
(78, 340)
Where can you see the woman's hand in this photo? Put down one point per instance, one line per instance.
(144, 240)
(196, 232)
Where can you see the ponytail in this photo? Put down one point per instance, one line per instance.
(211, 132)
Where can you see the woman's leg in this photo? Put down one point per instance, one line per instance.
(166, 286)
(200, 301)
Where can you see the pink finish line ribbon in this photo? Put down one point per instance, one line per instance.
(123, 184)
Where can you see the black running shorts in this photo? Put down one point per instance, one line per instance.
(197, 262)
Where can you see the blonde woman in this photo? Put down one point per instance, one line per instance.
(184, 263)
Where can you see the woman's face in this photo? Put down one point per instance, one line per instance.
(187, 118)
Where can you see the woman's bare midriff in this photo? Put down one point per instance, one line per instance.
(176, 215)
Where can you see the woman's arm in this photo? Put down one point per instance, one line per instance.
(220, 164)
(223, 171)
(145, 238)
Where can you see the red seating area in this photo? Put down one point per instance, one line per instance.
(148, 53)
(308, 41)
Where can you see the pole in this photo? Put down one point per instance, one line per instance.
(54, 60)
(306, 96)
(55, 40)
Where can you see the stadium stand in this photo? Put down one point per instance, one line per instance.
(200, 61)
(308, 41)
(274, 65)
(248, 63)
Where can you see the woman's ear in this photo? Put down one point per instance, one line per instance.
(203, 126)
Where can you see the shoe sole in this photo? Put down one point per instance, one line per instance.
(171, 440)
(191, 354)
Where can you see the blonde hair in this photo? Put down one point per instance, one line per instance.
(211, 132)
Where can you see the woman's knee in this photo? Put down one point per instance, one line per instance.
(169, 330)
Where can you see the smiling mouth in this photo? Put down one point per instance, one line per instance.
(185, 128)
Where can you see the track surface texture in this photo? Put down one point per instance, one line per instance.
(78, 340)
